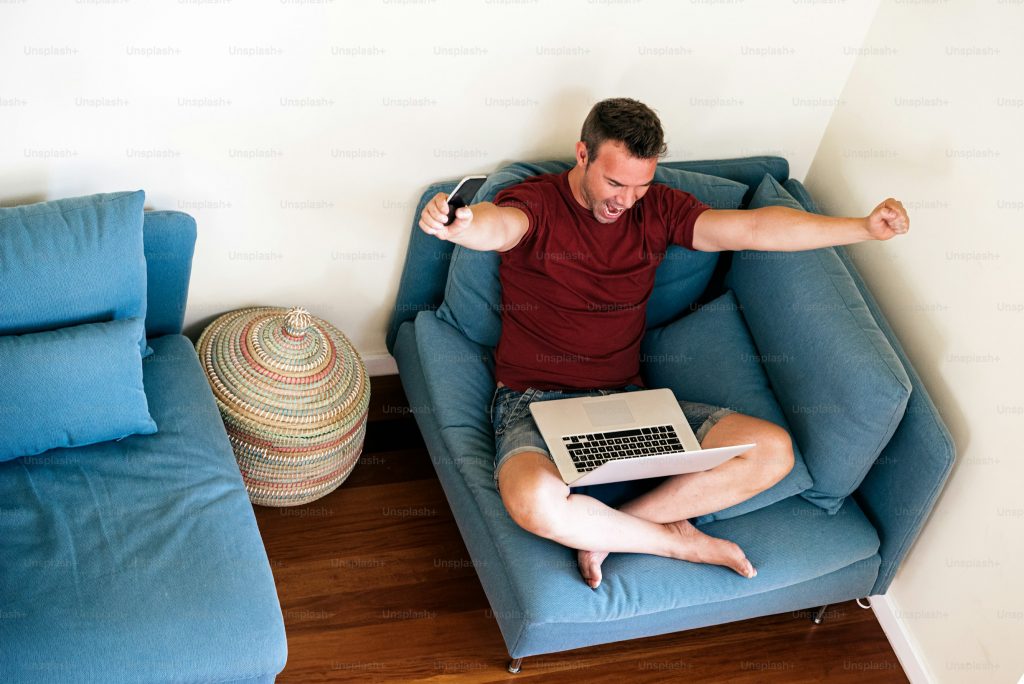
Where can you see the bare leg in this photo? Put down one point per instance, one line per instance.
(540, 502)
(694, 494)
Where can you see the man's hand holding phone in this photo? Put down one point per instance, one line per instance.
(435, 214)
(448, 216)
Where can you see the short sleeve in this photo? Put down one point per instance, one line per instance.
(680, 211)
(527, 197)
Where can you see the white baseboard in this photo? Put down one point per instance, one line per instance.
(380, 364)
(900, 640)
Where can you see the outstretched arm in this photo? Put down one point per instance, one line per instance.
(781, 229)
(484, 227)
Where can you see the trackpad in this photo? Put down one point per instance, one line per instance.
(601, 413)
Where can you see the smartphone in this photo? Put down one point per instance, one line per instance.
(463, 195)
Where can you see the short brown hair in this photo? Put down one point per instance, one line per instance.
(628, 121)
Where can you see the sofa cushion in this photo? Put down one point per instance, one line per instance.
(138, 560)
(709, 357)
(839, 381)
(70, 387)
(774, 538)
(72, 261)
(473, 292)
(684, 274)
(472, 295)
(771, 193)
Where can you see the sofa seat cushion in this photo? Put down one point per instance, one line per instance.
(138, 560)
(789, 542)
(472, 301)
(709, 357)
(543, 574)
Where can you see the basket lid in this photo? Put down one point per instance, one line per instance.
(282, 367)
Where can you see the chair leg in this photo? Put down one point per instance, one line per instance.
(819, 616)
(515, 665)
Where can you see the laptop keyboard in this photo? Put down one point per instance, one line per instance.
(591, 450)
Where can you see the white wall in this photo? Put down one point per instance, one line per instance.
(301, 134)
(933, 116)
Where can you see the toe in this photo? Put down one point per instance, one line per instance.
(590, 569)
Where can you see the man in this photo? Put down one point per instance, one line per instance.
(578, 256)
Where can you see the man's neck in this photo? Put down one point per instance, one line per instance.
(575, 179)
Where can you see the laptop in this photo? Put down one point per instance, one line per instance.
(623, 436)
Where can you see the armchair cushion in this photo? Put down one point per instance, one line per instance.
(837, 377)
(71, 387)
(473, 292)
(709, 357)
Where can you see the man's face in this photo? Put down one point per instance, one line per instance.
(614, 181)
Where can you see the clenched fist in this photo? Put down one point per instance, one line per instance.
(888, 220)
(436, 213)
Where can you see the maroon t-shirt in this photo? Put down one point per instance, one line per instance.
(574, 291)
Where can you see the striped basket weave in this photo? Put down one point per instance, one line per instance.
(293, 394)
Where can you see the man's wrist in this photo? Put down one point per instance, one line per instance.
(864, 227)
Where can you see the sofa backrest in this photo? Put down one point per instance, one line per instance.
(169, 239)
(425, 273)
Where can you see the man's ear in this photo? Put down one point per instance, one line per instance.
(581, 153)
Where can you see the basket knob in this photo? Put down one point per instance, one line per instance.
(297, 321)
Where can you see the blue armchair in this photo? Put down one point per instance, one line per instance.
(839, 535)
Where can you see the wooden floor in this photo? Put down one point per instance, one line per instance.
(376, 585)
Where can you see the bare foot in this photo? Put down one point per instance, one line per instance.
(589, 563)
(701, 548)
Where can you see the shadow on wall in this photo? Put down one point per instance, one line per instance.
(24, 199)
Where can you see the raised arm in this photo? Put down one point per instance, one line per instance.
(781, 229)
(484, 227)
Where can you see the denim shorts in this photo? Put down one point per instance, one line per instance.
(515, 431)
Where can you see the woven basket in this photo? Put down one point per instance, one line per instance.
(293, 394)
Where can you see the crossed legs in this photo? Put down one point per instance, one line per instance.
(656, 522)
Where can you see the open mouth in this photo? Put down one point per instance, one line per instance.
(611, 212)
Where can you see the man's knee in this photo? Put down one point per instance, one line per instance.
(773, 456)
(770, 461)
(532, 493)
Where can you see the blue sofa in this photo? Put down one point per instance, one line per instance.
(139, 560)
(811, 547)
